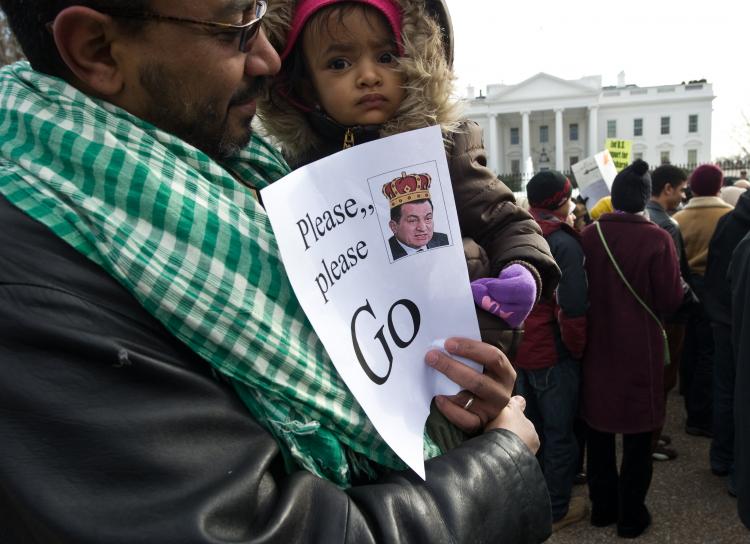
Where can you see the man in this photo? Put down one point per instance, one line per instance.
(739, 275)
(411, 216)
(548, 361)
(412, 227)
(730, 230)
(697, 223)
(634, 278)
(144, 311)
(668, 184)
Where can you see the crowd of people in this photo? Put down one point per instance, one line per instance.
(161, 382)
(650, 294)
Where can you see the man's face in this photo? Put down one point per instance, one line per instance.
(674, 195)
(193, 81)
(414, 229)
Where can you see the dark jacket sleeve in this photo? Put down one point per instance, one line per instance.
(113, 431)
(665, 275)
(739, 276)
(674, 231)
(717, 294)
(487, 211)
(572, 292)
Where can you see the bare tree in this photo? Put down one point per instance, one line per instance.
(743, 138)
(10, 51)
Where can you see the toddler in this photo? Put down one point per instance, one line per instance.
(356, 70)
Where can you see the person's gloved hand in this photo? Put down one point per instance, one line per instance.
(510, 296)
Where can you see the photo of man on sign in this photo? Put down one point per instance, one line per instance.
(411, 216)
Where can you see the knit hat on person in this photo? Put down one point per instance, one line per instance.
(549, 190)
(706, 180)
(631, 189)
(307, 8)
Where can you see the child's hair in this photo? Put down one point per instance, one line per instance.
(425, 67)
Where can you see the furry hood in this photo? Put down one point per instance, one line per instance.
(426, 67)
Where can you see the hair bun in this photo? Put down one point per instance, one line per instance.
(639, 167)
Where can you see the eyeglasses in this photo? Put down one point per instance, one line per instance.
(247, 32)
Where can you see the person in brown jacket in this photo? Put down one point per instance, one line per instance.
(321, 103)
(697, 223)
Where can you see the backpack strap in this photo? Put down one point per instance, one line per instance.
(632, 291)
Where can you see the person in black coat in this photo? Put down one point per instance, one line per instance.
(739, 275)
(718, 303)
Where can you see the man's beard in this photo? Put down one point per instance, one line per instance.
(195, 120)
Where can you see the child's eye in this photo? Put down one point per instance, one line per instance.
(387, 58)
(339, 64)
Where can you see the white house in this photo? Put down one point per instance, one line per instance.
(548, 122)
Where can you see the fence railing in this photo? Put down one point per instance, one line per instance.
(731, 169)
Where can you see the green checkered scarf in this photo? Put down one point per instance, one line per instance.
(197, 251)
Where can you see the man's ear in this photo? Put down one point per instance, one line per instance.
(393, 225)
(83, 39)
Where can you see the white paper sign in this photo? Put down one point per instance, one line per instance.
(376, 305)
(594, 176)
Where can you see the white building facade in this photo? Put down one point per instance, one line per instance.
(546, 122)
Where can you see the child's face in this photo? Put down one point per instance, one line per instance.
(352, 62)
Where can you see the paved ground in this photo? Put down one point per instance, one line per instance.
(688, 504)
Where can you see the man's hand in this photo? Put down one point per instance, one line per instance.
(513, 419)
(489, 393)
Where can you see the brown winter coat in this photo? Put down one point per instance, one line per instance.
(697, 223)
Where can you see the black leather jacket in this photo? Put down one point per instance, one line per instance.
(113, 431)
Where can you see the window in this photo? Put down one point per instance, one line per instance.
(665, 125)
(692, 157)
(573, 160)
(514, 136)
(637, 156)
(515, 165)
(637, 127)
(693, 123)
(665, 156)
(543, 134)
(573, 132)
(612, 128)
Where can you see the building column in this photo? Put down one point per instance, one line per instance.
(526, 165)
(492, 148)
(593, 130)
(500, 147)
(559, 155)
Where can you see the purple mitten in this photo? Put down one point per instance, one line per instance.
(509, 296)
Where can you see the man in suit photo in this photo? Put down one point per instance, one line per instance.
(411, 216)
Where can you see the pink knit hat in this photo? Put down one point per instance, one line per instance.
(706, 180)
(307, 8)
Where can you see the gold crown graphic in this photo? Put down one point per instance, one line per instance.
(407, 188)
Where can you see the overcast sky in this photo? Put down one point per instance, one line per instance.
(655, 42)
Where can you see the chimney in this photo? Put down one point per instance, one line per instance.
(621, 79)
